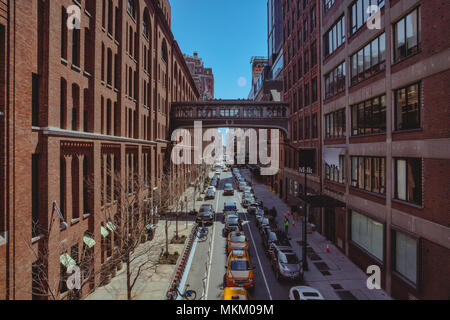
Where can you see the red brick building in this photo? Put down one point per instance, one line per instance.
(302, 83)
(386, 137)
(73, 104)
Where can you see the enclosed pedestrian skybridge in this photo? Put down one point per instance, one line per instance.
(231, 114)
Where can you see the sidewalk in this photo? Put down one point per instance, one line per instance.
(152, 284)
(338, 278)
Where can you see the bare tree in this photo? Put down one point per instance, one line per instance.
(130, 222)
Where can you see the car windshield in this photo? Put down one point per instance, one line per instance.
(233, 221)
(230, 208)
(310, 294)
(265, 221)
(237, 239)
(240, 265)
(289, 259)
(228, 186)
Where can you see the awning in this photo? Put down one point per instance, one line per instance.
(321, 201)
(111, 226)
(67, 260)
(89, 241)
(104, 232)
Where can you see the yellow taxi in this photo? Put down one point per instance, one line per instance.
(239, 271)
(234, 293)
(237, 240)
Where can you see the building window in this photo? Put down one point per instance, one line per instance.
(64, 33)
(131, 8)
(306, 94)
(335, 81)
(335, 124)
(313, 54)
(407, 35)
(300, 98)
(35, 195)
(306, 61)
(35, 100)
(305, 29)
(76, 47)
(295, 137)
(368, 234)
(314, 90)
(307, 127)
(408, 180)
(369, 60)
(359, 14)
(300, 129)
(369, 173)
(313, 18)
(335, 37)
(407, 107)
(405, 259)
(369, 117)
(327, 4)
(335, 173)
(315, 128)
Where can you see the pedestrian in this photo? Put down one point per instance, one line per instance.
(286, 225)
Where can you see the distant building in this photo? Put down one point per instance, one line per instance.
(203, 77)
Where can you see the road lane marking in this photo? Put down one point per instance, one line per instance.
(257, 256)
(212, 243)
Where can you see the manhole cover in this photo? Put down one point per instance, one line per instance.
(325, 273)
(337, 286)
(346, 295)
(322, 266)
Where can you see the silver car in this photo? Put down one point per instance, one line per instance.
(286, 264)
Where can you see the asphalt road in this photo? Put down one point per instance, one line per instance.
(208, 282)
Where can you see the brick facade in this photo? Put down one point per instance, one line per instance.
(99, 99)
(424, 221)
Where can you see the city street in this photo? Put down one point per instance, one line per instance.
(267, 287)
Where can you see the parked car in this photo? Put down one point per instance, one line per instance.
(210, 194)
(305, 293)
(259, 216)
(251, 209)
(247, 199)
(264, 221)
(214, 182)
(247, 189)
(242, 185)
(206, 214)
(228, 190)
(285, 263)
(268, 237)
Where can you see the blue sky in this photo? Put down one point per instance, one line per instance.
(226, 34)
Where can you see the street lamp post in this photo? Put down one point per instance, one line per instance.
(306, 171)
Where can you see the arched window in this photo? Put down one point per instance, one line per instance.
(131, 8)
(146, 25)
(164, 51)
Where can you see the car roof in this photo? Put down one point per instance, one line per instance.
(304, 289)
(230, 203)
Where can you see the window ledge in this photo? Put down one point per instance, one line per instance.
(411, 204)
(407, 57)
(368, 135)
(76, 68)
(74, 221)
(407, 130)
(64, 61)
(86, 215)
(378, 195)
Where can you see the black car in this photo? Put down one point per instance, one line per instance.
(206, 215)
(268, 236)
(252, 208)
(232, 224)
(264, 222)
(214, 182)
